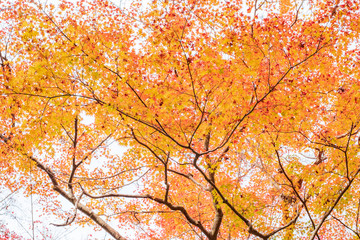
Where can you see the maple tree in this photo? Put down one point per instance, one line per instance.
(239, 119)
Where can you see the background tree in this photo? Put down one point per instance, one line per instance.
(240, 118)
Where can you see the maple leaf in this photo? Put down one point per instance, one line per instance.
(209, 119)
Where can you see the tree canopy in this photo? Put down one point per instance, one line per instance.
(238, 119)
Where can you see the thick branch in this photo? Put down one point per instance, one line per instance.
(88, 212)
(56, 186)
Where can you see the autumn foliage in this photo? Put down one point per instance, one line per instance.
(237, 119)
